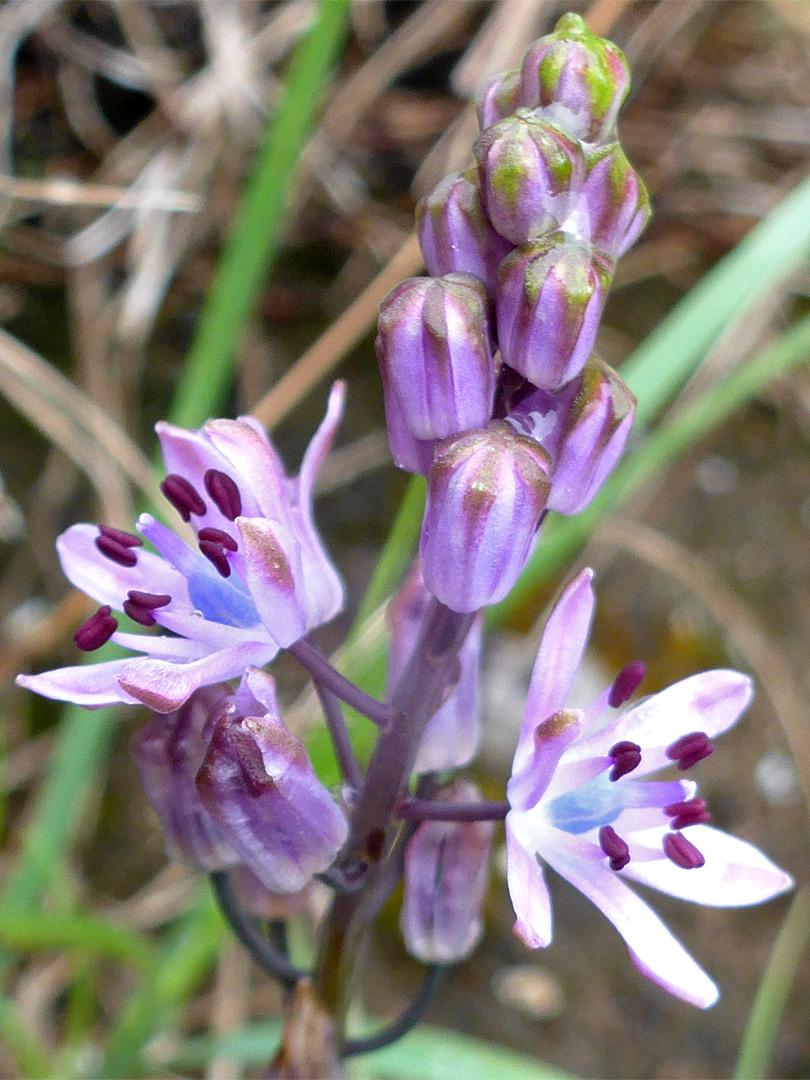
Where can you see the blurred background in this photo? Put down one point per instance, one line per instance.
(128, 129)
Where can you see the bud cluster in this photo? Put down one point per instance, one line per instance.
(491, 387)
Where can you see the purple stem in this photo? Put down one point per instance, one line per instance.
(322, 672)
(429, 810)
(336, 722)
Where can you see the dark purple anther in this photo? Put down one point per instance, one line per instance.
(217, 536)
(690, 749)
(683, 853)
(224, 492)
(215, 553)
(626, 683)
(125, 539)
(688, 812)
(614, 847)
(625, 757)
(183, 496)
(115, 550)
(98, 629)
(140, 605)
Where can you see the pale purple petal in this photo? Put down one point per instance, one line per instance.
(162, 646)
(92, 685)
(453, 733)
(319, 446)
(108, 583)
(654, 950)
(527, 889)
(274, 576)
(164, 686)
(711, 702)
(215, 635)
(536, 761)
(561, 650)
(255, 464)
(735, 874)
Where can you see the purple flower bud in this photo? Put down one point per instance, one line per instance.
(614, 205)
(580, 80)
(550, 298)
(453, 733)
(435, 357)
(530, 174)
(445, 883)
(498, 99)
(486, 492)
(455, 234)
(583, 427)
(257, 782)
(409, 453)
(169, 750)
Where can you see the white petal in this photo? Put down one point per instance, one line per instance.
(654, 950)
(711, 702)
(528, 890)
(92, 685)
(735, 874)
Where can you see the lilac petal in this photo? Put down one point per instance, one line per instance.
(527, 889)
(711, 702)
(274, 576)
(653, 949)
(164, 686)
(255, 464)
(106, 581)
(319, 446)
(735, 874)
(93, 685)
(213, 634)
(258, 783)
(191, 454)
(162, 646)
(561, 650)
(535, 763)
(263, 688)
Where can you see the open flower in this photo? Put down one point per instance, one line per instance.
(581, 803)
(257, 580)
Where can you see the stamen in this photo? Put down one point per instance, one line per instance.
(625, 757)
(223, 491)
(98, 629)
(682, 852)
(125, 539)
(215, 553)
(626, 683)
(690, 749)
(115, 550)
(614, 847)
(218, 536)
(140, 605)
(183, 496)
(688, 812)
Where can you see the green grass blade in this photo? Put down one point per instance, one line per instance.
(424, 1054)
(255, 237)
(30, 930)
(770, 252)
(31, 1059)
(774, 991)
(562, 537)
(186, 954)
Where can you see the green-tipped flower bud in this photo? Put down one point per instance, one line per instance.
(530, 175)
(498, 99)
(550, 298)
(614, 205)
(578, 79)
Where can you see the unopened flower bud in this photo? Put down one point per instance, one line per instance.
(530, 173)
(584, 428)
(445, 883)
(455, 234)
(551, 293)
(580, 80)
(498, 99)
(169, 750)
(409, 453)
(486, 492)
(257, 782)
(453, 733)
(435, 356)
(614, 205)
